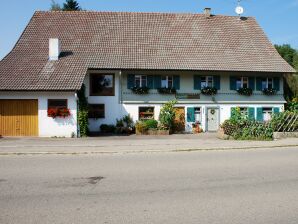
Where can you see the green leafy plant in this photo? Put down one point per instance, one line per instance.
(209, 91)
(165, 90)
(167, 115)
(245, 91)
(83, 112)
(269, 91)
(151, 124)
(141, 127)
(140, 90)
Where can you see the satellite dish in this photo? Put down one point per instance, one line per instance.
(239, 10)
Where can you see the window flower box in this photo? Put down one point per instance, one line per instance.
(269, 91)
(140, 90)
(245, 91)
(58, 112)
(165, 90)
(210, 91)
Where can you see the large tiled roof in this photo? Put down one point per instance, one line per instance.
(119, 40)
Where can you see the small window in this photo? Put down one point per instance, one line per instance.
(242, 82)
(167, 81)
(102, 85)
(267, 83)
(198, 114)
(96, 111)
(206, 81)
(267, 113)
(146, 113)
(57, 104)
(140, 80)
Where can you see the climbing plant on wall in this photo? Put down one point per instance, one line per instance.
(83, 112)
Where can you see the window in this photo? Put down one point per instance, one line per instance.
(244, 111)
(96, 111)
(102, 85)
(198, 114)
(241, 82)
(267, 113)
(57, 104)
(146, 113)
(206, 81)
(167, 81)
(267, 83)
(140, 80)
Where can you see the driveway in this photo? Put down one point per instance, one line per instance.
(133, 143)
(214, 187)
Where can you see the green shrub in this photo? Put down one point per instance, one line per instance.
(229, 127)
(151, 124)
(141, 127)
(167, 115)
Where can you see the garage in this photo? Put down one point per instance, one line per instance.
(18, 117)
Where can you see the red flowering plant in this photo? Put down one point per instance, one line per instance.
(58, 112)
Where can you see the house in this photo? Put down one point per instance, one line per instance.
(115, 52)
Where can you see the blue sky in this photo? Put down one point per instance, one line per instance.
(278, 18)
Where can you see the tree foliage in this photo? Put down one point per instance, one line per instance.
(291, 81)
(71, 5)
(55, 6)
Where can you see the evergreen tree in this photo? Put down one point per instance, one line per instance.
(71, 5)
(55, 6)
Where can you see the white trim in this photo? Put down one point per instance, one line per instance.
(207, 102)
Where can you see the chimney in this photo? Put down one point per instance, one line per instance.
(54, 49)
(207, 12)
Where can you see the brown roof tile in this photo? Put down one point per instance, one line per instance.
(119, 40)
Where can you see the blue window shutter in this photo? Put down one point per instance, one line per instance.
(233, 111)
(251, 83)
(259, 83)
(276, 110)
(276, 83)
(157, 81)
(150, 81)
(190, 114)
(130, 81)
(216, 80)
(260, 114)
(176, 82)
(197, 82)
(251, 113)
(232, 83)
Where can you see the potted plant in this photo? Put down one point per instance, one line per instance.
(245, 91)
(140, 90)
(210, 91)
(166, 90)
(269, 91)
(196, 127)
(58, 112)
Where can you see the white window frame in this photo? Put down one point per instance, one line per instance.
(168, 77)
(207, 79)
(140, 77)
(243, 80)
(267, 112)
(200, 114)
(244, 111)
(267, 82)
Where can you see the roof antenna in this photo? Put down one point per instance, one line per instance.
(239, 9)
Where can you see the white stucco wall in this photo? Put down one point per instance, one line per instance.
(47, 126)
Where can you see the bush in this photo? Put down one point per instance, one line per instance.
(151, 124)
(285, 121)
(229, 127)
(167, 115)
(141, 127)
(107, 128)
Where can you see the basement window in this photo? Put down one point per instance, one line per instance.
(57, 103)
(146, 113)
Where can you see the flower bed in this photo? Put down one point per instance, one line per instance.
(58, 112)
(269, 91)
(209, 91)
(140, 90)
(245, 91)
(167, 90)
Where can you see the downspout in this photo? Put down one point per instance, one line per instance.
(120, 87)
(78, 127)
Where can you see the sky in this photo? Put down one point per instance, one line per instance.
(278, 18)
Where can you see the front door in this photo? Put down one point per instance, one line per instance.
(179, 122)
(212, 119)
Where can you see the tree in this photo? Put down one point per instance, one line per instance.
(55, 6)
(291, 81)
(71, 5)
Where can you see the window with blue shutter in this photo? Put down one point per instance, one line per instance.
(260, 116)
(190, 114)
(216, 80)
(150, 81)
(233, 111)
(157, 81)
(276, 110)
(276, 83)
(259, 84)
(197, 82)
(251, 113)
(176, 82)
(251, 83)
(233, 80)
(130, 81)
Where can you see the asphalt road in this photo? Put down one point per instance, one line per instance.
(233, 186)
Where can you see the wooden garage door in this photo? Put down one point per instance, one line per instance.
(18, 117)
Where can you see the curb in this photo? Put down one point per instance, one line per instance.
(143, 151)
